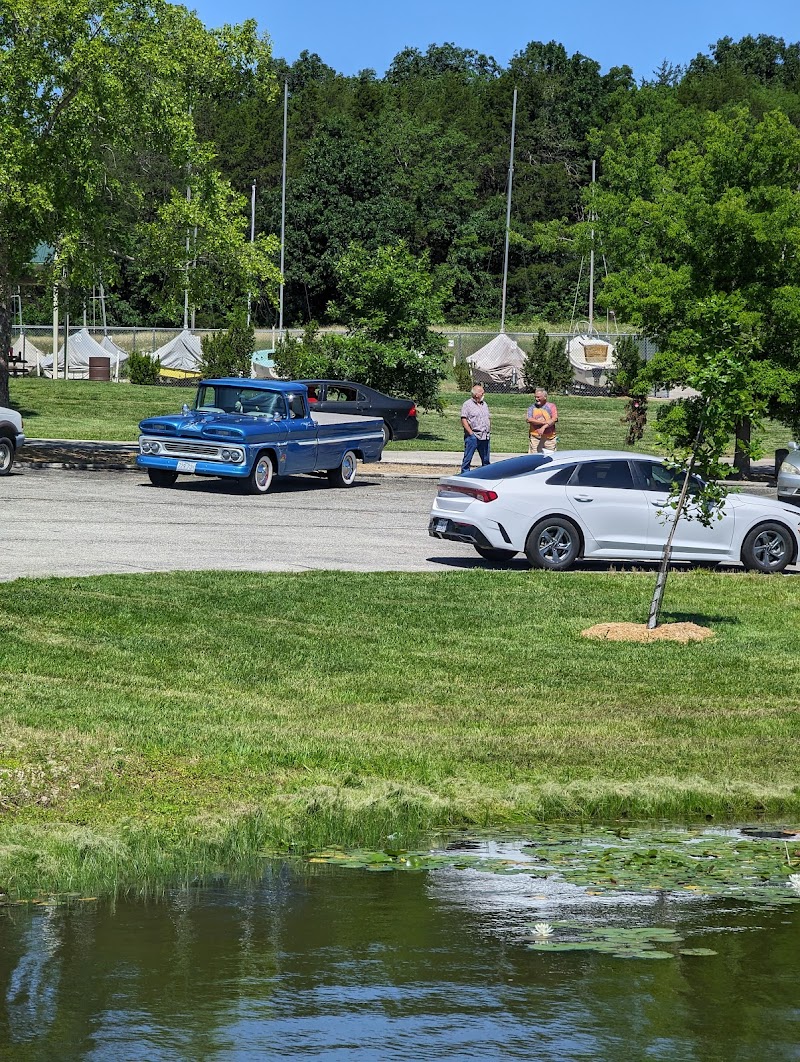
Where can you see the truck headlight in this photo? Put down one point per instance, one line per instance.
(237, 456)
(225, 455)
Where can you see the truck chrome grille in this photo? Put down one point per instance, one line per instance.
(190, 449)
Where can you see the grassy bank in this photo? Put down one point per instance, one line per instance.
(161, 725)
(80, 409)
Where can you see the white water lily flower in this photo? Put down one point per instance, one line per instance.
(543, 929)
(794, 881)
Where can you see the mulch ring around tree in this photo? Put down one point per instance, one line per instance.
(639, 632)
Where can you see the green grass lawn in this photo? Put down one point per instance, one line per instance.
(80, 409)
(87, 409)
(157, 724)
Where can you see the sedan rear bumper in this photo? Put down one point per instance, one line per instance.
(457, 531)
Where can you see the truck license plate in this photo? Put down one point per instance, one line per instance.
(441, 525)
(186, 466)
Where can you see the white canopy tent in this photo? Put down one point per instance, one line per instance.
(500, 361)
(184, 353)
(23, 350)
(80, 347)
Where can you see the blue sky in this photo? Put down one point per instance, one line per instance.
(353, 34)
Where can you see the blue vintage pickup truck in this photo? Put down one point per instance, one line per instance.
(253, 431)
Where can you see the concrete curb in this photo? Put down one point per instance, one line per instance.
(76, 455)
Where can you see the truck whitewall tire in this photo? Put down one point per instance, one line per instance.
(345, 474)
(162, 477)
(261, 475)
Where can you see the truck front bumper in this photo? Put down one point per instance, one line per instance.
(185, 466)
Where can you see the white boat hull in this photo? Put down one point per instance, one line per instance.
(592, 359)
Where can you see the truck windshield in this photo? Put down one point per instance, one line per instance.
(250, 401)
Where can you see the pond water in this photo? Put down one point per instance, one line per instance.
(319, 961)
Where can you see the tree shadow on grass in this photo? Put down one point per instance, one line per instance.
(699, 618)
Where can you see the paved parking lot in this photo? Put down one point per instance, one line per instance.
(80, 523)
(55, 522)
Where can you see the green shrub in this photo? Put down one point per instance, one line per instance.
(388, 366)
(229, 353)
(629, 364)
(143, 368)
(547, 365)
(463, 376)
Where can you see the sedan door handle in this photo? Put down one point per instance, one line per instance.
(583, 497)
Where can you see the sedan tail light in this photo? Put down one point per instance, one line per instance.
(472, 492)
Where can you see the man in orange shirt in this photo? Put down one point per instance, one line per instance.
(542, 420)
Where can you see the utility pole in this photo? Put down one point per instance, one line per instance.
(283, 202)
(508, 213)
(252, 237)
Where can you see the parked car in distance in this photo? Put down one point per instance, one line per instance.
(789, 476)
(604, 505)
(12, 436)
(399, 415)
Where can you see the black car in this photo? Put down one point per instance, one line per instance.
(341, 396)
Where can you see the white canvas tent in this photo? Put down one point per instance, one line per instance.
(500, 361)
(182, 353)
(80, 347)
(23, 350)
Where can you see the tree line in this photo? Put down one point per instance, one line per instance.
(131, 137)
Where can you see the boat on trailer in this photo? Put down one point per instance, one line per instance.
(591, 356)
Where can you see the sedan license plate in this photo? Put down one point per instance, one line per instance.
(441, 525)
(186, 466)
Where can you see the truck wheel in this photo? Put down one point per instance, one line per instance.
(345, 474)
(261, 475)
(6, 455)
(161, 477)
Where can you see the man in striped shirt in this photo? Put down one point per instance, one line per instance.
(476, 422)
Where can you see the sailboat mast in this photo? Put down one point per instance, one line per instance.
(591, 256)
(283, 201)
(508, 213)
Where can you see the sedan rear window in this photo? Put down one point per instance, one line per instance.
(514, 466)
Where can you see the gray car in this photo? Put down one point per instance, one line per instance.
(789, 476)
(11, 438)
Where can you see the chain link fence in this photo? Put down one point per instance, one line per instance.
(36, 342)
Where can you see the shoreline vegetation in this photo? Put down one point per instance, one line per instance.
(105, 412)
(168, 727)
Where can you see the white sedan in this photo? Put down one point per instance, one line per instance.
(604, 505)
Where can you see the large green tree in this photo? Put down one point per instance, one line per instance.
(97, 136)
(715, 218)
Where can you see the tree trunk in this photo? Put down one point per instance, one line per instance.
(6, 317)
(741, 459)
(666, 556)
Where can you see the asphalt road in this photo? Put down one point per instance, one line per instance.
(82, 523)
(71, 523)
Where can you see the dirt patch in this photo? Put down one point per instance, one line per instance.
(639, 632)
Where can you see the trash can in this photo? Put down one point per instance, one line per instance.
(780, 457)
(99, 368)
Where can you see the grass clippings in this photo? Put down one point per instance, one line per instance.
(640, 632)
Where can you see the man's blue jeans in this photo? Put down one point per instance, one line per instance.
(471, 444)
